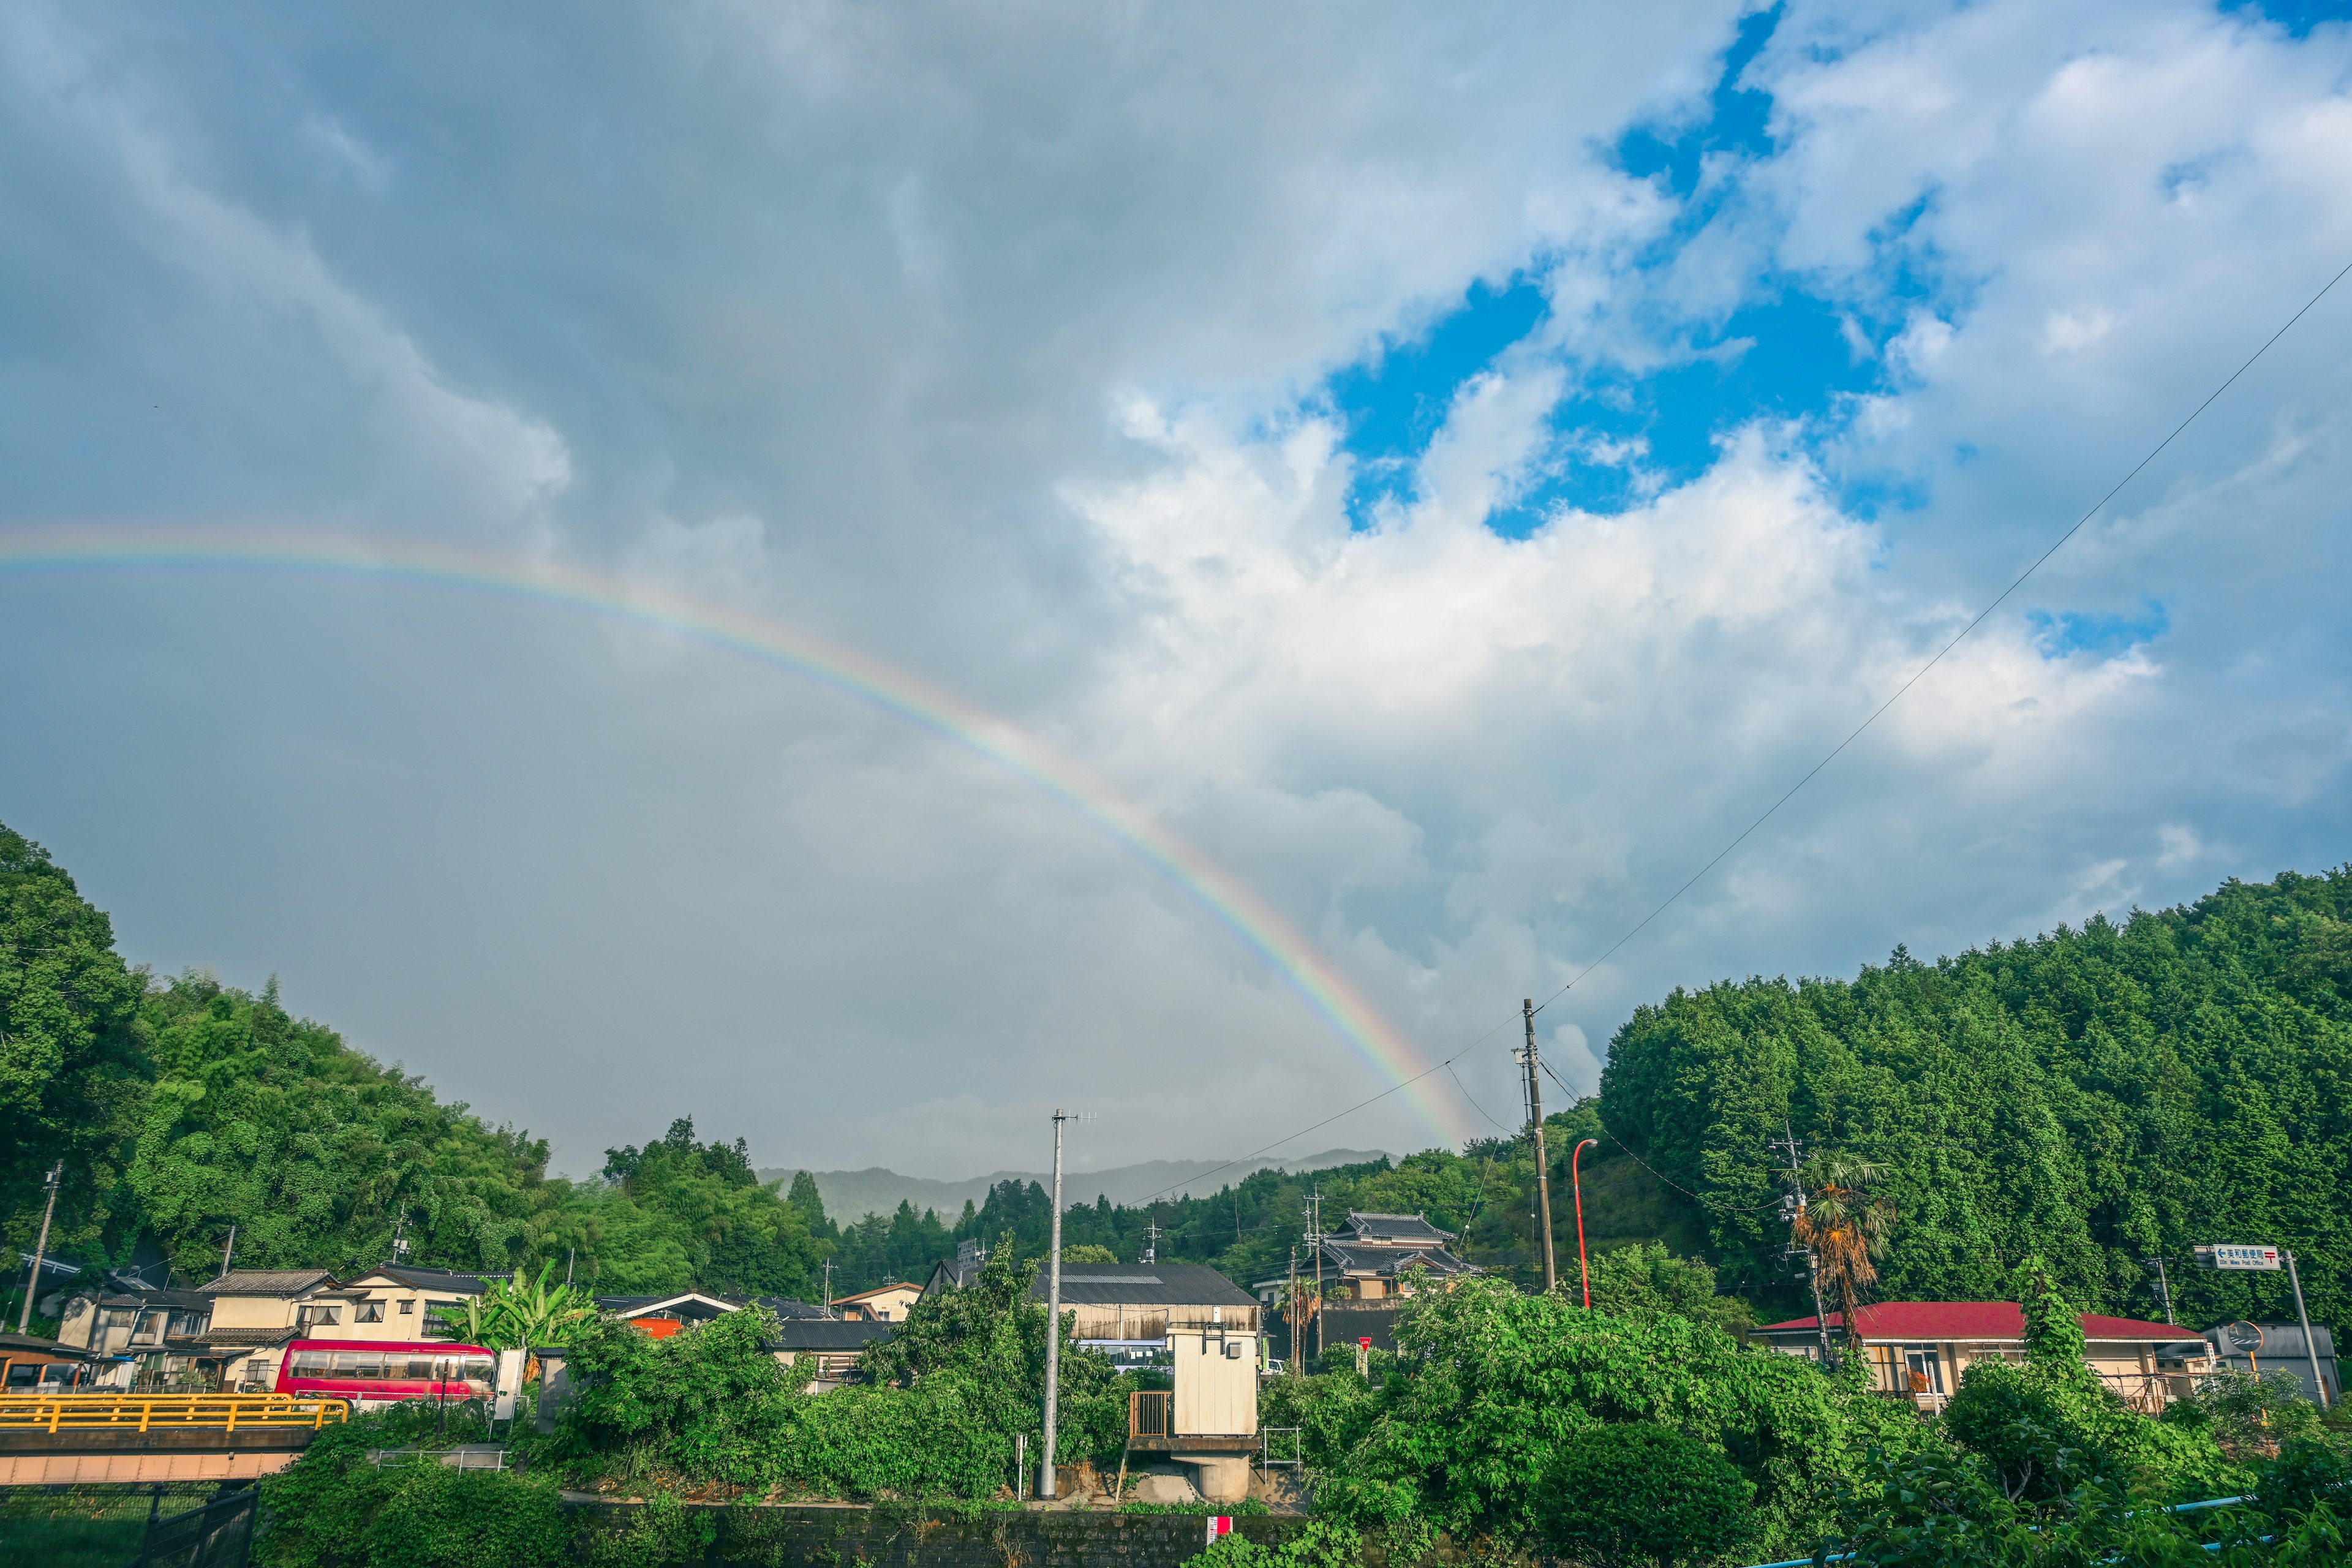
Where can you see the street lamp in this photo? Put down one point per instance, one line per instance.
(1576, 1181)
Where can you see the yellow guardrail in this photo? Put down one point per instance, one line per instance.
(165, 1412)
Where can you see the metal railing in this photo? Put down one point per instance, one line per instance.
(165, 1412)
(1270, 1453)
(470, 1456)
(1148, 1413)
(219, 1534)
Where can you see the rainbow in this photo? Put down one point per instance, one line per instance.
(25, 553)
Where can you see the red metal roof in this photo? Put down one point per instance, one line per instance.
(1976, 1321)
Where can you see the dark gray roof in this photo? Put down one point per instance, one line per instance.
(1392, 1260)
(429, 1279)
(33, 1344)
(248, 1339)
(2275, 1339)
(692, 1305)
(790, 1308)
(798, 1335)
(1407, 1229)
(159, 1300)
(1144, 1285)
(269, 1282)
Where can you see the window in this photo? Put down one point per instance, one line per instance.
(408, 1307)
(317, 1317)
(368, 1312)
(1922, 1369)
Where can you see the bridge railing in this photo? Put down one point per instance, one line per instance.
(165, 1412)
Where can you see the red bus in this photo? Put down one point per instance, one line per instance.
(381, 1372)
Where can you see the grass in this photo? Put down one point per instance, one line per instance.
(83, 1527)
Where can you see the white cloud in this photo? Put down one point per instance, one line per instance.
(980, 341)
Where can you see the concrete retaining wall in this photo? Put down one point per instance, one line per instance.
(837, 1537)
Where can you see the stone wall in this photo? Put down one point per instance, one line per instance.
(818, 1536)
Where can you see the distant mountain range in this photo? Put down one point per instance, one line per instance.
(852, 1194)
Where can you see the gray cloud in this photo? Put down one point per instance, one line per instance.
(990, 344)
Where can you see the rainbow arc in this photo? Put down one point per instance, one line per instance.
(859, 676)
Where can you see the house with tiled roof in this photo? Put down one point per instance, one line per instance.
(256, 1313)
(1918, 1350)
(1367, 1258)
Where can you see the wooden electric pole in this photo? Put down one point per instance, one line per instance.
(40, 1250)
(1543, 1163)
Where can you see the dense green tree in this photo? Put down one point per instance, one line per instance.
(71, 1053)
(1638, 1494)
(738, 1235)
(2094, 1096)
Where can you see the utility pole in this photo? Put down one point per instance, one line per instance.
(2163, 1285)
(1053, 1318)
(1790, 1208)
(1290, 1311)
(41, 1248)
(1151, 1241)
(228, 1252)
(2310, 1345)
(828, 1286)
(1543, 1165)
(571, 1255)
(1315, 1231)
(400, 1239)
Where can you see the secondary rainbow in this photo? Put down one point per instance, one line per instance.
(770, 641)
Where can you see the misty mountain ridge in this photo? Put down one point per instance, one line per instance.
(852, 1194)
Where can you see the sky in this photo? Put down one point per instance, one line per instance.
(1428, 475)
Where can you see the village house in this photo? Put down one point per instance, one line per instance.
(1129, 1312)
(1366, 1260)
(399, 1302)
(831, 1345)
(258, 1313)
(1917, 1350)
(882, 1304)
(152, 1340)
(30, 1365)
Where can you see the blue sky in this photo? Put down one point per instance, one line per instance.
(1455, 466)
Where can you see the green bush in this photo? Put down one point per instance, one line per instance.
(1643, 1497)
(334, 1508)
(945, 1400)
(1321, 1546)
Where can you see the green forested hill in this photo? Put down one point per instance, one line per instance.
(2100, 1096)
(181, 1107)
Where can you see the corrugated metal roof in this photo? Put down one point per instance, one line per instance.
(1972, 1320)
(1145, 1285)
(248, 1339)
(829, 1334)
(269, 1282)
(428, 1278)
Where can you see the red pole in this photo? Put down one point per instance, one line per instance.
(1576, 1181)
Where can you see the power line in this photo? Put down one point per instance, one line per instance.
(1851, 736)
(1957, 637)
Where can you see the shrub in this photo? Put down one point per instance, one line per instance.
(1631, 1496)
(333, 1507)
(1321, 1545)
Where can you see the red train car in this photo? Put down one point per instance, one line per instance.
(381, 1372)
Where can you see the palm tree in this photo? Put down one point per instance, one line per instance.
(1844, 1228)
